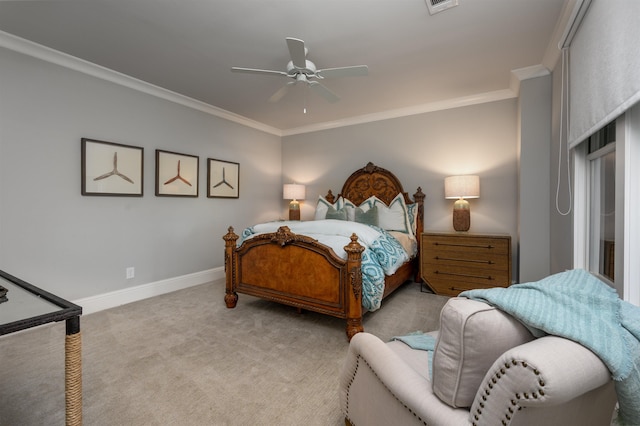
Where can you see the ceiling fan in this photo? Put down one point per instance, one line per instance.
(302, 70)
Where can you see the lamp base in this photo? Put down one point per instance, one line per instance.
(461, 216)
(294, 210)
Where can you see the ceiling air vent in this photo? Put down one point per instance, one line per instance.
(436, 6)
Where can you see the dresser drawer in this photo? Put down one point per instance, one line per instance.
(467, 245)
(451, 263)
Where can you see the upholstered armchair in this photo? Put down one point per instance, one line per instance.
(486, 369)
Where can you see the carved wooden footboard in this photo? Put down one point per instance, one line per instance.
(296, 270)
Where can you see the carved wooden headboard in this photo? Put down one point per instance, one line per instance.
(374, 180)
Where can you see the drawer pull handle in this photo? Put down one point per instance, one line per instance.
(458, 289)
(488, 246)
(490, 278)
(488, 262)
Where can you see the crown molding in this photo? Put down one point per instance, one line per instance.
(526, 73)
(29, 48)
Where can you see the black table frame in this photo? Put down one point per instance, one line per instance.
(70, 313)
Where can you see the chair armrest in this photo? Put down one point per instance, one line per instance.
(548, 371)
(401, 379)
(378, 388)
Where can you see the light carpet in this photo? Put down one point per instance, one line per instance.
(185, 359)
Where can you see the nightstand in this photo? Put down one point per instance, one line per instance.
(454, 262)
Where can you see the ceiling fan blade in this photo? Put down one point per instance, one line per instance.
(281, 92)
(298, 52)
(324, 92)
(354, 71)
(257, 71)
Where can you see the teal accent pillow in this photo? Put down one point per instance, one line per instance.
(369, 217)
(340, 214)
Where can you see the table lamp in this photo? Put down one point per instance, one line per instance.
(459, 188)
(293, 192)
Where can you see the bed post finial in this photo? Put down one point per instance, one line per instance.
(330, 197)
(230, 297)
(419, 197)
(354, 303)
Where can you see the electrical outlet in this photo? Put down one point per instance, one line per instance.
(131, 272)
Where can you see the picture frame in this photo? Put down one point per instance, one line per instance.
(223, 179)
(176, 174)
(111, 169)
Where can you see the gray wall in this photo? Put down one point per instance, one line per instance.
(421, 150)
(561, 217)
(534, 122)
(78, 246)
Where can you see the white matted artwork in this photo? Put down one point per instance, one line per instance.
(111, 168)
(176, 174)
(223, 179)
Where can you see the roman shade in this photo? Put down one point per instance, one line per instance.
(604, 59)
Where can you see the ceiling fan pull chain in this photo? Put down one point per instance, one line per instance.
(306, 88)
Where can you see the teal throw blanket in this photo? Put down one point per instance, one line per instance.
(578, 306)
(420, 341)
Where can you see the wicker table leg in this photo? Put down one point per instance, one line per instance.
(73, 373)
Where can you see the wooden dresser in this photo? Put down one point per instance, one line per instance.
(453, 262)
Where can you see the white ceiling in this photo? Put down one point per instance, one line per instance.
(189, 46)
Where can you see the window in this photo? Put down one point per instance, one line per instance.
(601, 156)
(607, 204)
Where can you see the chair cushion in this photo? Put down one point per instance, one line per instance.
(414, 358)
(472, 336)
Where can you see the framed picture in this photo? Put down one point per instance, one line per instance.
(223, 179)
(111, 168)
(176, 174)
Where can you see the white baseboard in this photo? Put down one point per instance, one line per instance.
(121, 297)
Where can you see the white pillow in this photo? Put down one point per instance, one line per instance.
(323, 206)
(395, 216)
(350, 208)
(369, 202)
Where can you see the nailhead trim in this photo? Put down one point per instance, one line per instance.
(487, 392)
(535, 394)
(358, 360)
(355, 371)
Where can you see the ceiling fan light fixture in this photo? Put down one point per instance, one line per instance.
(436, 6)
(310, 68)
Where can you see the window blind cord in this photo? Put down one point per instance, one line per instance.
(563, 113)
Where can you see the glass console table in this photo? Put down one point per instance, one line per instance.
(24, 306)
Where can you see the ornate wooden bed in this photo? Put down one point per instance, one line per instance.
(297, 270)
